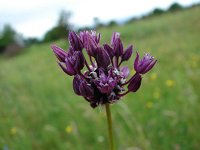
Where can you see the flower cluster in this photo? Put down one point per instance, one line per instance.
(104, 80)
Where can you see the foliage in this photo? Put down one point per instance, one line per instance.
(40, 111)
(112, 23)
(6, 37)
(60, 30)
(30, 41)
(97, 23)
(157, 11)
(175, 7)
(56, 33)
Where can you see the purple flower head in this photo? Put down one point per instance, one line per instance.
(105, 80)
(145, 64)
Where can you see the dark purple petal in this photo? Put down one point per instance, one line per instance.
(86, 90)
(75, 41)
(136, 62)
(79, 61)
(91, 47)
(67, 69)
(115, 36)
(127, 54)
(109, 50)
(102, 58)
(135, 83)
(70, 67)
(59, 52)
(83, 36)
(118, 47)
(76, 83)
(96, 36)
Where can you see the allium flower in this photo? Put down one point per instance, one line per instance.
(145, 64)
(104, 80)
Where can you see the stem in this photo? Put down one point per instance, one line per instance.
(109, 121)
(120, 63)
(129, 80)
(87, 66)
(116, 61)
(92, 62)
(123, 93)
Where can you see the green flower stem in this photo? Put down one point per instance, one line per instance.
(109, 121)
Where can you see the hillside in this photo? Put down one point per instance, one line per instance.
(40, 111)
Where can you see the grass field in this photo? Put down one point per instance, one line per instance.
(39, 110)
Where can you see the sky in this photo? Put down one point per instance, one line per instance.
(32, 18)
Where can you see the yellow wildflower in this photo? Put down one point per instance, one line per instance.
(170, 83)
(68, 129)
(194, 61)
(149, 104)
(195, 57)
(13, 130)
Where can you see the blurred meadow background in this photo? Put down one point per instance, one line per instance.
(39, 110)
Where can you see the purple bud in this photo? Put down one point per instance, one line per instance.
(109, 50)
(135, 83)
(90, 42)
(76, 83)
(86, 90)
(96, 36)
(145, 64)
(115, 36)
(118, 47)
(59, 52)
(91, 47)
(127, 54)
(117, 44)
(74, 62)
(102, 58)
(75, 41)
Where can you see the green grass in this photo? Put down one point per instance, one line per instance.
(37, 102)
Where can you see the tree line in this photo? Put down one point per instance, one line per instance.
(8, 36)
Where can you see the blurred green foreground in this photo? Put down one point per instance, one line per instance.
(39, 110)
